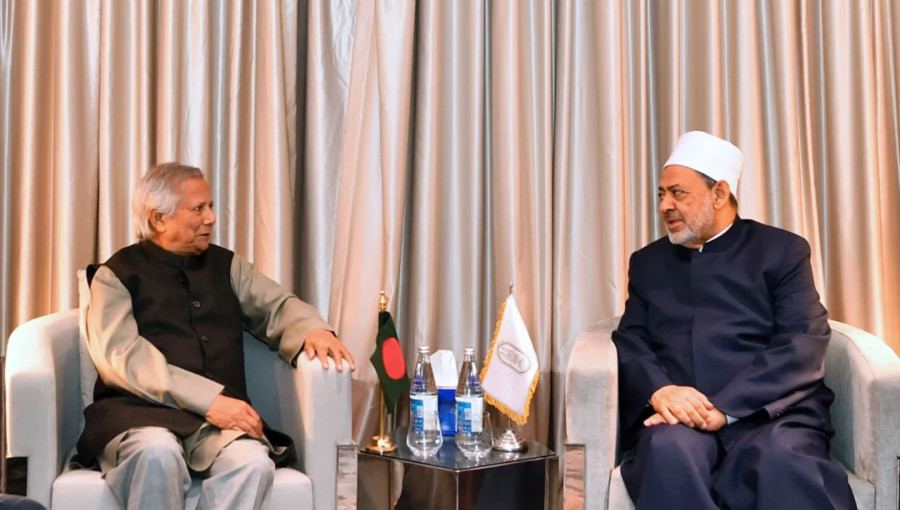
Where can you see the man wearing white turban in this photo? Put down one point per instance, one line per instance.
(721, 354)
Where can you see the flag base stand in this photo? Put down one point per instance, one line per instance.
(510, 441)
(381, 444)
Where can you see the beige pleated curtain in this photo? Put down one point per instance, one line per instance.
(440, 150)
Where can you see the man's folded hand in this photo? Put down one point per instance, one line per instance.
(232, 414)
(680, 404)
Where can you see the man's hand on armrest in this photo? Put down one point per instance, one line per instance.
(232, 414)
(323, 343)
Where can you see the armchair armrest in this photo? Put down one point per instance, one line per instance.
(324, 402)
(592, 411)
(864, 374)
(310, 404)
(43, 404)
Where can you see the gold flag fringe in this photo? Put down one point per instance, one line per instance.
(521, 419)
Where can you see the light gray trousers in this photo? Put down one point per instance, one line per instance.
(151, 473)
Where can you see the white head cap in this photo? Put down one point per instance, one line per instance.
(709, 155)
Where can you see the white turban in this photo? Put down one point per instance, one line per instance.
(709, 155)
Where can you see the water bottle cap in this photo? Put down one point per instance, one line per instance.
(424, 349)
(469, 350)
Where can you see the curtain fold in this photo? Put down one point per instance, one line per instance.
(600, 208)
(331, 28)
(371, 190)
(49, 132)
(126, 117)
(520, 168)
(886, 48)
(444, 300)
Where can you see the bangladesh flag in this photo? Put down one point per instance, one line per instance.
(388, 361)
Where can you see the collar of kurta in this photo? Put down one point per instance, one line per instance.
(157, 252)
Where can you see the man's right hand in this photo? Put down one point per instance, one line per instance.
(682, 404)
(232, 414)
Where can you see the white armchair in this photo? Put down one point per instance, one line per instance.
(44, 419)
(862, 370)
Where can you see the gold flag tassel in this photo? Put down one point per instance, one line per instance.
(382, 443)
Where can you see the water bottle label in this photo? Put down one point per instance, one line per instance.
(421, 406)
(468, 414)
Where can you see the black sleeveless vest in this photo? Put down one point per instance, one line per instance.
(185, 306)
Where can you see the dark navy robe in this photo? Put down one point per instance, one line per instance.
(740, 321)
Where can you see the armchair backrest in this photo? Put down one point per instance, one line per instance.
(263, 368)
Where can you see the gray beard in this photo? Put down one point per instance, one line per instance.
(693, 231)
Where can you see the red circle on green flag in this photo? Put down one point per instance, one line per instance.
(392, 358)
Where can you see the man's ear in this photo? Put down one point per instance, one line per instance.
(158, 221)
(723, 193)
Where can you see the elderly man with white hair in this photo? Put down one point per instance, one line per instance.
(165, 329)
(721, 354)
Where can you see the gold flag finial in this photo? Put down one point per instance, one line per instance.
(382, 303)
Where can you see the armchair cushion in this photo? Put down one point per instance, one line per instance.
(863, 491)
(85, 488)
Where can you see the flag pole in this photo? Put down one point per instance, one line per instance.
(510, 440)
(381, 443)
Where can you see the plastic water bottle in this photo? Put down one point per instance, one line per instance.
(425, 430)
(469, 400)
